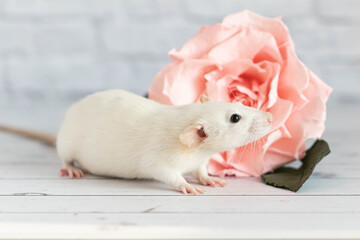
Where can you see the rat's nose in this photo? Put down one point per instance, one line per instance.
(269, 117)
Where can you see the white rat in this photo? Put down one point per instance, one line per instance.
(119, 134)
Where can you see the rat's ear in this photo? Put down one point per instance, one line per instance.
(193, 136)
(204, 99)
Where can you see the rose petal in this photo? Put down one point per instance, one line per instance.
(249, 159)
(203, 41)
(313, 114)
(273, 96)
(219, 166)
(269, 88)
(296, 144)
(281, 111)
(274, 160)
(319, 93)
(294, 79)
(274, 136)
(184, 81)
(233, 69)
(239, 162)
(324, 90)
(250, 43)
(271, 138)
(218, 90)
(160, 83)
(252, 20)
(307, 122)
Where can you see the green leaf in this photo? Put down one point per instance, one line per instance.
(292, 178)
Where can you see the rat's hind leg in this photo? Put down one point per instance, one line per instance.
(67, 159)
(72, 171)
(203, 177)
(176, 180)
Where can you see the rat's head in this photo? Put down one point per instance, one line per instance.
(222, 126)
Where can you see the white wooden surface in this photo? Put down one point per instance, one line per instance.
(36, 203)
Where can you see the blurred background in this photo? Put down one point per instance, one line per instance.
(61, 50)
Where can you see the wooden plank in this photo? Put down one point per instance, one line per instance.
(46, 156)
(51, 171)
(243, 186)
(180, 226)
(16, 150)
(34, 171)
(180, 204)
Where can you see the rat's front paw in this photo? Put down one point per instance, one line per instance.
(213, 182)
(188, 188)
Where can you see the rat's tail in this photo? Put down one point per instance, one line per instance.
(41, 137)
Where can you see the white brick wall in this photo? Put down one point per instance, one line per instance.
(63, 49)
(69, 38)
(16, 38)
(56, 74)
(219, 9)
(145, 39)
(60, 8)
(338, 9)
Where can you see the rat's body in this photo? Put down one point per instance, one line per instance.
(119, 134)
(116, 133)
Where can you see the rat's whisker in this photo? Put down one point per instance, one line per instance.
(233, 156)
(243, 150)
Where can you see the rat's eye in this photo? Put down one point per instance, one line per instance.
(235, 118)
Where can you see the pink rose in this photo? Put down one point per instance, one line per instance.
(249, 59)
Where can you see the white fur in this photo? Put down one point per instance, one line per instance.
(116, 133)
